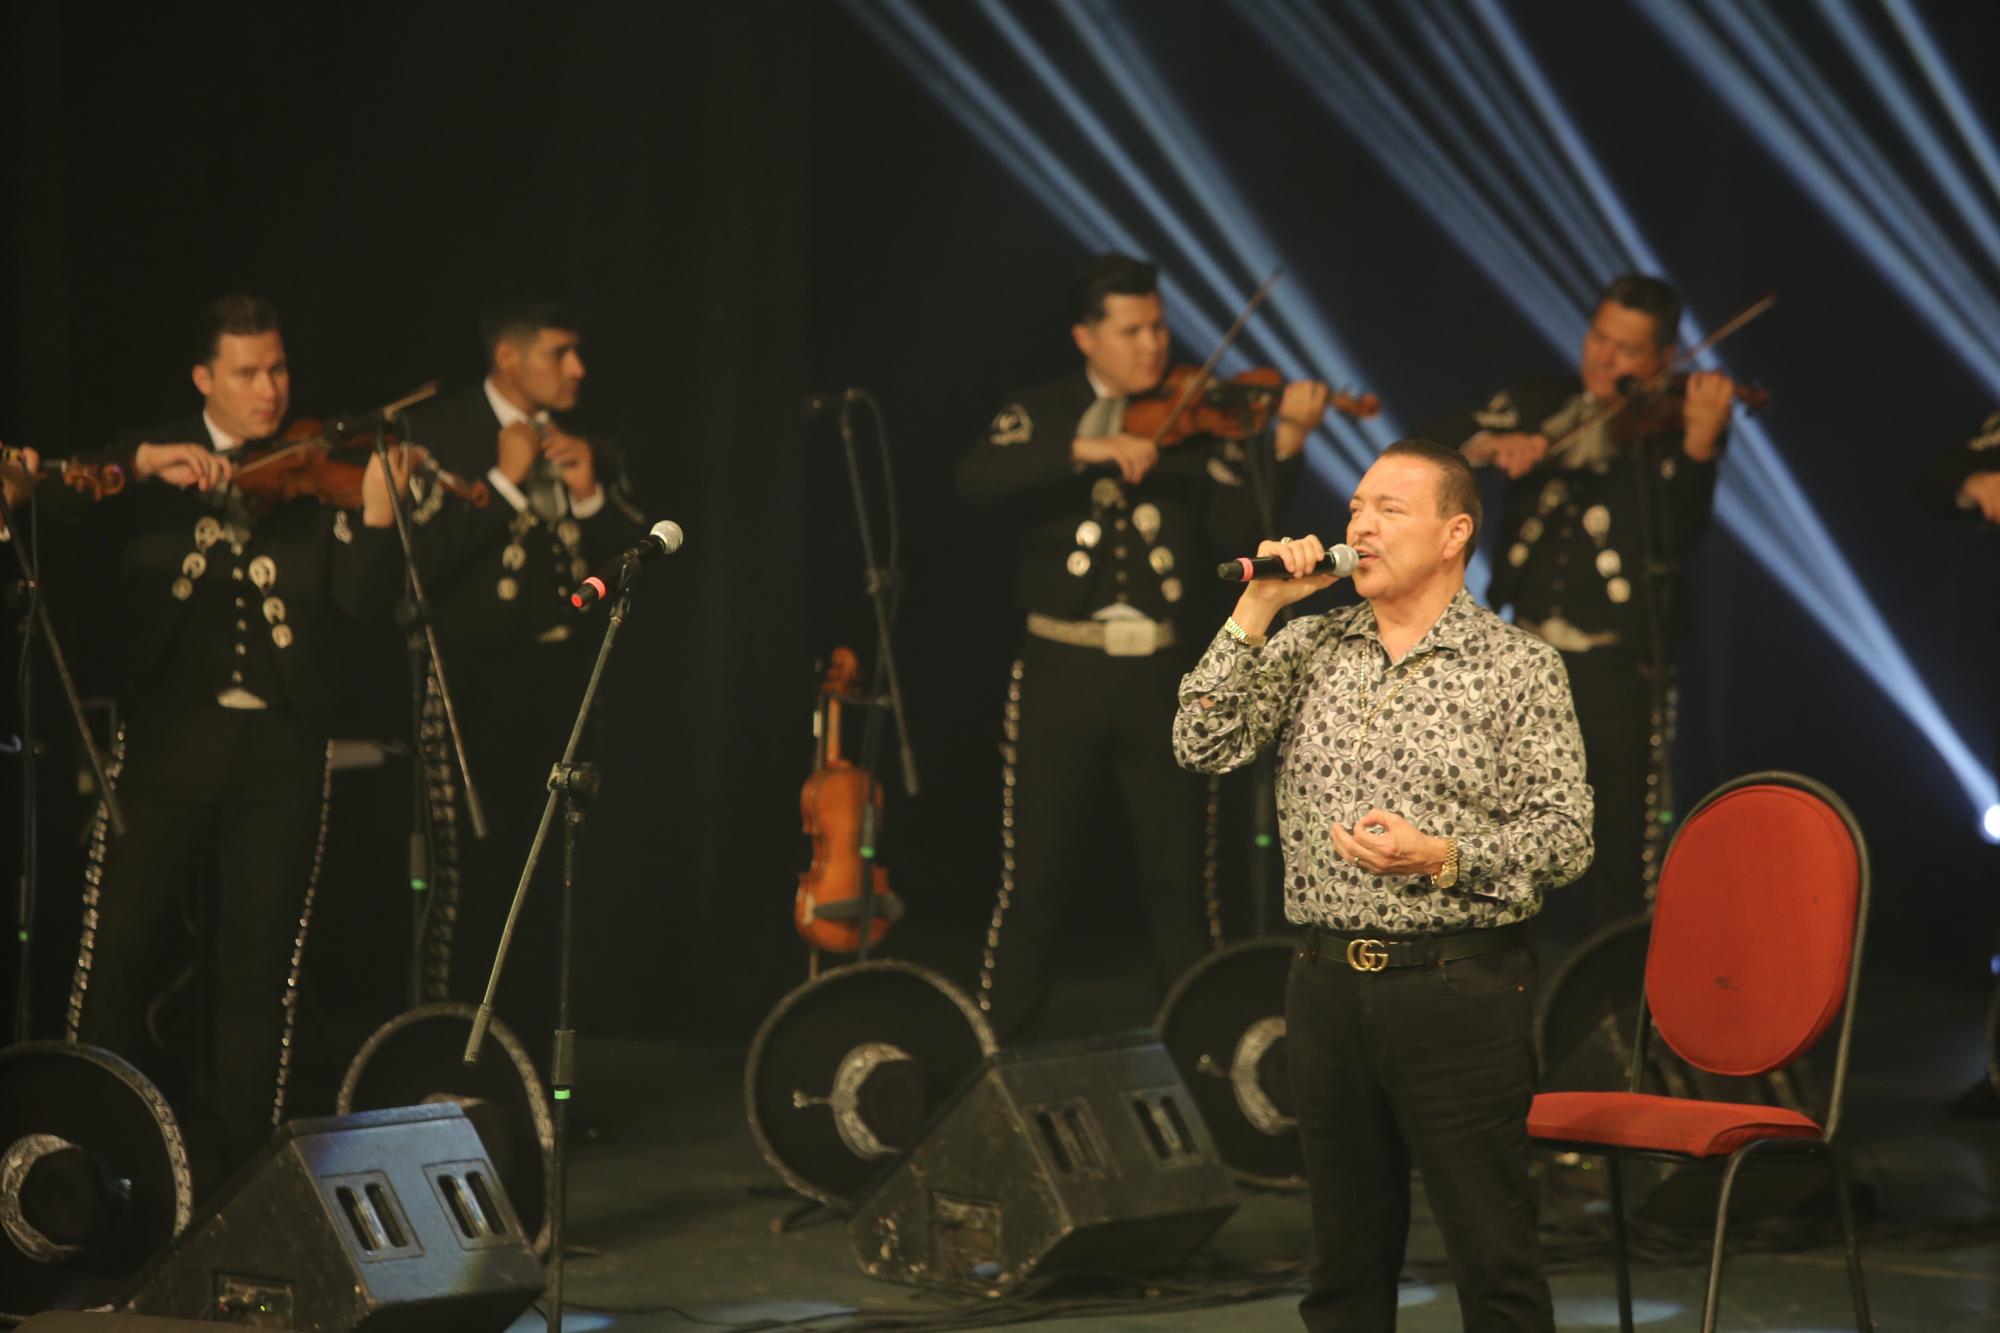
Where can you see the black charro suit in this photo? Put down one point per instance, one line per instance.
(1082, 724)
(518, 655)
(232, 621)
(1577, 536)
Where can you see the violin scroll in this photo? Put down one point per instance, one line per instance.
(93, 481)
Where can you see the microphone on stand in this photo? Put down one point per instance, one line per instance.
(1338, 561)
(813, 404)
(376, 418)
(664, 539)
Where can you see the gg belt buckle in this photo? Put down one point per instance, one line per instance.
(1367, 955)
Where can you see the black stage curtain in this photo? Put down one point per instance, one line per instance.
(377, 174)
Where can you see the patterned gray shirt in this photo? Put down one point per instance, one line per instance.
(1472, 735)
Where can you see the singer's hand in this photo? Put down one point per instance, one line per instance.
(1982, 489)
(1386, 844)
(1263, 598)
(520, 446)
(182, 465)
(571, 454)
(1133, 455)
(376, 509)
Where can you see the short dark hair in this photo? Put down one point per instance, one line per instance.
(1108, 275)
(513, 318)
(1648, 296)
(237, 313)
(1458, 489)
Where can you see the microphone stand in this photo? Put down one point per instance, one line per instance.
(1261, 459)
(570, 783)
(1659, 570)
(426, 661)
(883, 584)
(35, 616)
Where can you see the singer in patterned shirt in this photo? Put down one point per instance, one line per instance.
(1431, 789)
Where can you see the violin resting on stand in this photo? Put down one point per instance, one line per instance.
(829, 905)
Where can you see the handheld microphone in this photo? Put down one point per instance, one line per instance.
(1338, 561)
(665, 538)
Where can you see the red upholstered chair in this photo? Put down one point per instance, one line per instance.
(1755, 952)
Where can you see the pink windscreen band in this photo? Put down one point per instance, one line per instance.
(576, 598)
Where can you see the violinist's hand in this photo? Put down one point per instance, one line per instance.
(182, 465)
(520, 446)
(1299, 412)
(377, 510)
(571, 454)
(1132, 455)
(1514, 454)
(17, 479)
(1706, 413)
(1387, 844)
(1982, 491)
(1262, 599)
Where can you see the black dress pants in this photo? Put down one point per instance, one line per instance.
(516, 704)
(1426, 1066)
(229, 798)
(1085, 725)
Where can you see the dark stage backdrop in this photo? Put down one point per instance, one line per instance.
(377, 172)
(754, 200)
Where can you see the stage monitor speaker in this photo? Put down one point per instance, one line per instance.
(387, 1221)
(1088, 1155)
(418, 1057)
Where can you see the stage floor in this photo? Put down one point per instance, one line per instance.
(672, 1210)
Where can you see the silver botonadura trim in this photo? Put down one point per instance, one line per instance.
(1009, 756)
(291, 996)
(93, 895)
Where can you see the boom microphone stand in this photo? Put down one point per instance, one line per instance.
(426, 662)
(570, 783)
(35, 617)
(883, 584)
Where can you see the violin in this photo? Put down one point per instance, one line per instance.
(1661, 409)
(828, 905)
(93, 481)
(1232, 409)
(303, 463)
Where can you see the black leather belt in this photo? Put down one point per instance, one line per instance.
(1373, 953)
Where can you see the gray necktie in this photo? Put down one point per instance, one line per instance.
(1106, 416)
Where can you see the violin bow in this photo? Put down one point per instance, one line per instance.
(1610, 410)
(1196, 384)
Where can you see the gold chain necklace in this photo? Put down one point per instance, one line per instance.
(1407, 671)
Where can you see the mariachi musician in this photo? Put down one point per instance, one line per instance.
(231, 611)
(1114, 531)
(1591, 540)
(499, 578)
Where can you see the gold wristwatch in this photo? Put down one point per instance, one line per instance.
(1447, 874)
